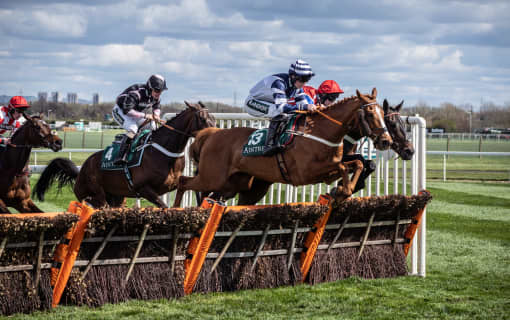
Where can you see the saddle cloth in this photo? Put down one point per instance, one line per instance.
(257, 140)
(135, 153)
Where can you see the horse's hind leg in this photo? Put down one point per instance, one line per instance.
(257, 191)
(151, 195)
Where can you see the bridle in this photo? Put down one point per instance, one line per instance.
(397, 146)
(45, 139)
(187, 134)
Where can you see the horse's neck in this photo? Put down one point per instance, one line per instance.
(16, 158)
(171, 140)
(329, 130)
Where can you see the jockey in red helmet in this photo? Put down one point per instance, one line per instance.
(328, 92)
(9, 116)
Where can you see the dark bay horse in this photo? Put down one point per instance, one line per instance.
(157, 174)
(397, 129)
(308, 160)
(14, 173)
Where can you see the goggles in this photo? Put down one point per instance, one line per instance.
(303, 78)
(329, 96)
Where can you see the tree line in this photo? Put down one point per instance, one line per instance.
(448, 116)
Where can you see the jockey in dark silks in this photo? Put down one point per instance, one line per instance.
(129, 111)
(269, 98)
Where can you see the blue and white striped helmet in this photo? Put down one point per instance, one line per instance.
(301, 68)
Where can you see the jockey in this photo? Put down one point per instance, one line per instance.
(130, 107)
(9, 116)
(269, 98)
(328, 92)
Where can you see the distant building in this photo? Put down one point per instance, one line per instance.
(54, 96)
(42, 96)
(95, 99)
(72, 98)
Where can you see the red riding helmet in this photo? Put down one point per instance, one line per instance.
(329, 86)
(18, 103)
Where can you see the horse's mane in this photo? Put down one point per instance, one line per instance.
(24, 124)
(339, 103)
(176, 116)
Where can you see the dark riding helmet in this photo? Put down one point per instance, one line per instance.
(300, 70)
(156, 82)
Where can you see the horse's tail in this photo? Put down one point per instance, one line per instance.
(60, 169)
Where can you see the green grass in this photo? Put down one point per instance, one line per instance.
(468, 276)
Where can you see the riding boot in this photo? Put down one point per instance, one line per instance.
(273, 134)
(368, 167)
(121, 158)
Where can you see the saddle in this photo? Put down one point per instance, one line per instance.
(257, 140)
(135, 152)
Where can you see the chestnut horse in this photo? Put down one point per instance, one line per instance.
(157, 174)
(14, 173)
(312, 158)
(396, 129)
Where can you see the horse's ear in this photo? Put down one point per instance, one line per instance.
(374, 93)
(399, 106)
(29, 118)
(188, 104)
(358, 93)
(386, 106)
(202, 105)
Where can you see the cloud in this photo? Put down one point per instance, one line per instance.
(47, 22)
(112, 54)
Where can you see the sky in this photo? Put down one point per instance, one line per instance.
(419, 51)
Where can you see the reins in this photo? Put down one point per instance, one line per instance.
(173, 129)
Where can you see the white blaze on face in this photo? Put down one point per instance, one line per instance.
(380, 115)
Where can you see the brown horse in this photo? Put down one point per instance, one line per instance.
(310, 159)
(400, 145)
(14, 173)
(157, 174)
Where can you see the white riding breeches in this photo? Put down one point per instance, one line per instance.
(131, 124)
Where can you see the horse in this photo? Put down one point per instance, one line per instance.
(14, 158)
(396, 129)
(157, 174)
(312, 158)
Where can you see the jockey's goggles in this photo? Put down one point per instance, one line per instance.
(303, 78)
(329, 96)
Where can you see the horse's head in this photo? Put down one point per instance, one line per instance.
(396, 128)
(201, 118)
(371, 120)
(37, 133)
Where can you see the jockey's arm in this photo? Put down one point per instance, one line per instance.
(156, 112)
(280, 98)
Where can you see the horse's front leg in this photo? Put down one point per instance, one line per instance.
(356, 167)
(3, 207)
(151, 195)
(27, 206)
